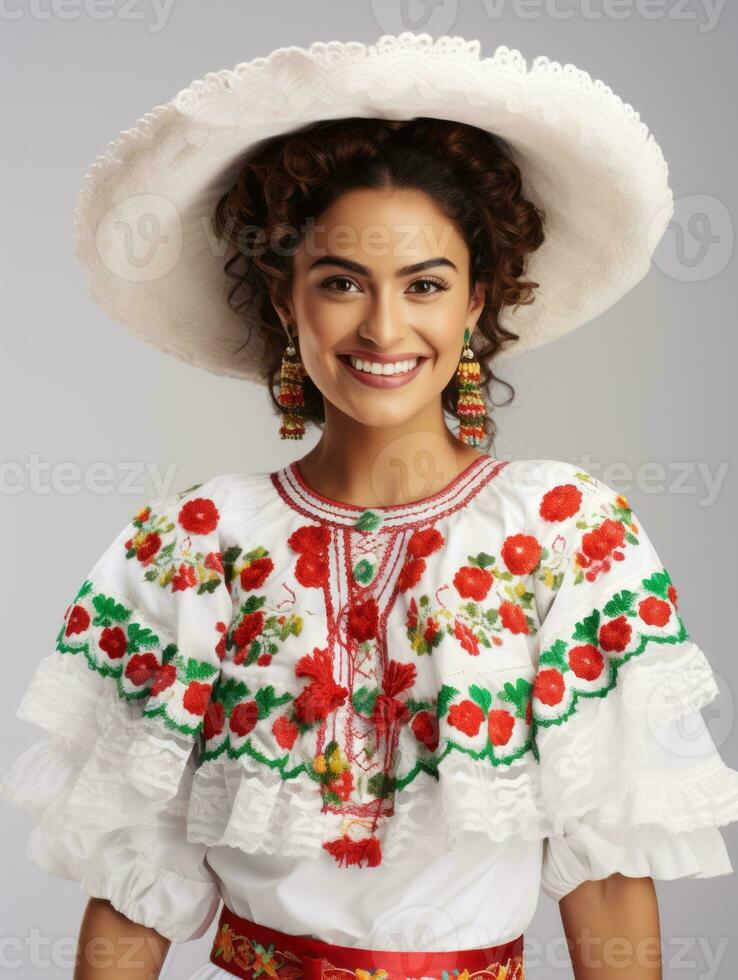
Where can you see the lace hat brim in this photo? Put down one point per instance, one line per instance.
(151, 260)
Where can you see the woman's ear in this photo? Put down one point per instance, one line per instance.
(476, 305)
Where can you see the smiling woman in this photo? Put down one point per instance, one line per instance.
(379, 698)
(386, 192)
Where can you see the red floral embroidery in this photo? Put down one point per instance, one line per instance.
(78, 622)
(214, 560)
(388, 709)
(256, 573)
(214, 722)
(616, 634)
(148, 548)
(586, 661)
(548, 686)
(425, 728)
(425, 542)
(473, 582)
(363, 619)
(165, 677)
(410, 574)
(466, 638)
(199, 516)
(244, 718)
(185, 578)
(466, 716)
(285, 731)
(513, 617)
(654, 611)
(322, 695)
(500, 725)
(601, 542)
(113, 642)
(249, 628)
(141, 668)
(561, 502)
(521, 553)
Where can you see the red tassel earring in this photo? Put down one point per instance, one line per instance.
(291, 393)
(470, 407)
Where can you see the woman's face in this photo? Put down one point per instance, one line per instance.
(381, 284)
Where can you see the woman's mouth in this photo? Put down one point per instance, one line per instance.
(383, 372)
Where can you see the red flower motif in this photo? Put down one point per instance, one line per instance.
(141, 668)
(185, 578)
(521, 553)
(500, 725)
(214, 560)
(398, 678)
(410, 574)
(310, 538)
(199, 516)
(197, 697)
(431, 630)
(263, 660)
(256, 573)
(214, 722)
(425, 542)
(78, 621)
(473, 582)
(549, 686)
(322, 695)
(143, 515)
(220, 647)
(244, 717)
(285, 731)
(113, 641)
(586, 661)
(654, 611)
(600, 542)
(561, 502)
(466, 716)
(342, 785)
(513, 617)
(363, 620)
(165, 677)
(425, 728)
(312, 570)
(247, 630)
(615, 635)
(466, 638)
(388, 711)
(148, 548)
(673, 596)
(412, 614)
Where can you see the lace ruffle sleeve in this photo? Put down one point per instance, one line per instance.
(122, 701)
(630, 777)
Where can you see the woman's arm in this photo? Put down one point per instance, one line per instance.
(612, 929)
(110, 946)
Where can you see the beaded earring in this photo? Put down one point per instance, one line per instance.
(291, 393)
(470, 407)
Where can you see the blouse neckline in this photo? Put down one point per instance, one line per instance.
(298, 494)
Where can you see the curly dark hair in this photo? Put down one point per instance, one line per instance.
(289, 180)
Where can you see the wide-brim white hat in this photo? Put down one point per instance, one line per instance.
(142, 218)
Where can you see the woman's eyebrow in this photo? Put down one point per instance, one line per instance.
(363, 270)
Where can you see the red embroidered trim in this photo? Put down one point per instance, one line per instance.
(298, 494)
(250, 951)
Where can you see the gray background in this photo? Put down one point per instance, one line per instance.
(650, 382)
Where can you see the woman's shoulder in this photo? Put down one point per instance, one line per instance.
(552, 491)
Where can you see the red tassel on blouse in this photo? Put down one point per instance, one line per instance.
(347, 851)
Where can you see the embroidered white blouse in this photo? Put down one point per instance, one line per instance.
(383, 727)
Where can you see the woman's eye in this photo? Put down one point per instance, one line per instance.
(439, 284)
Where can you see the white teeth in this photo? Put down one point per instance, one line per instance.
(383, 367)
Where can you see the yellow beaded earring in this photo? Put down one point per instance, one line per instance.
(291, 393)
(470, 407)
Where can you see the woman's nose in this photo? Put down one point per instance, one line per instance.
(384, 325)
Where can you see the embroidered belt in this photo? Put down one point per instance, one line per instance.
(252, 951)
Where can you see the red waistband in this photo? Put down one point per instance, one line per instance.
(252, 951)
